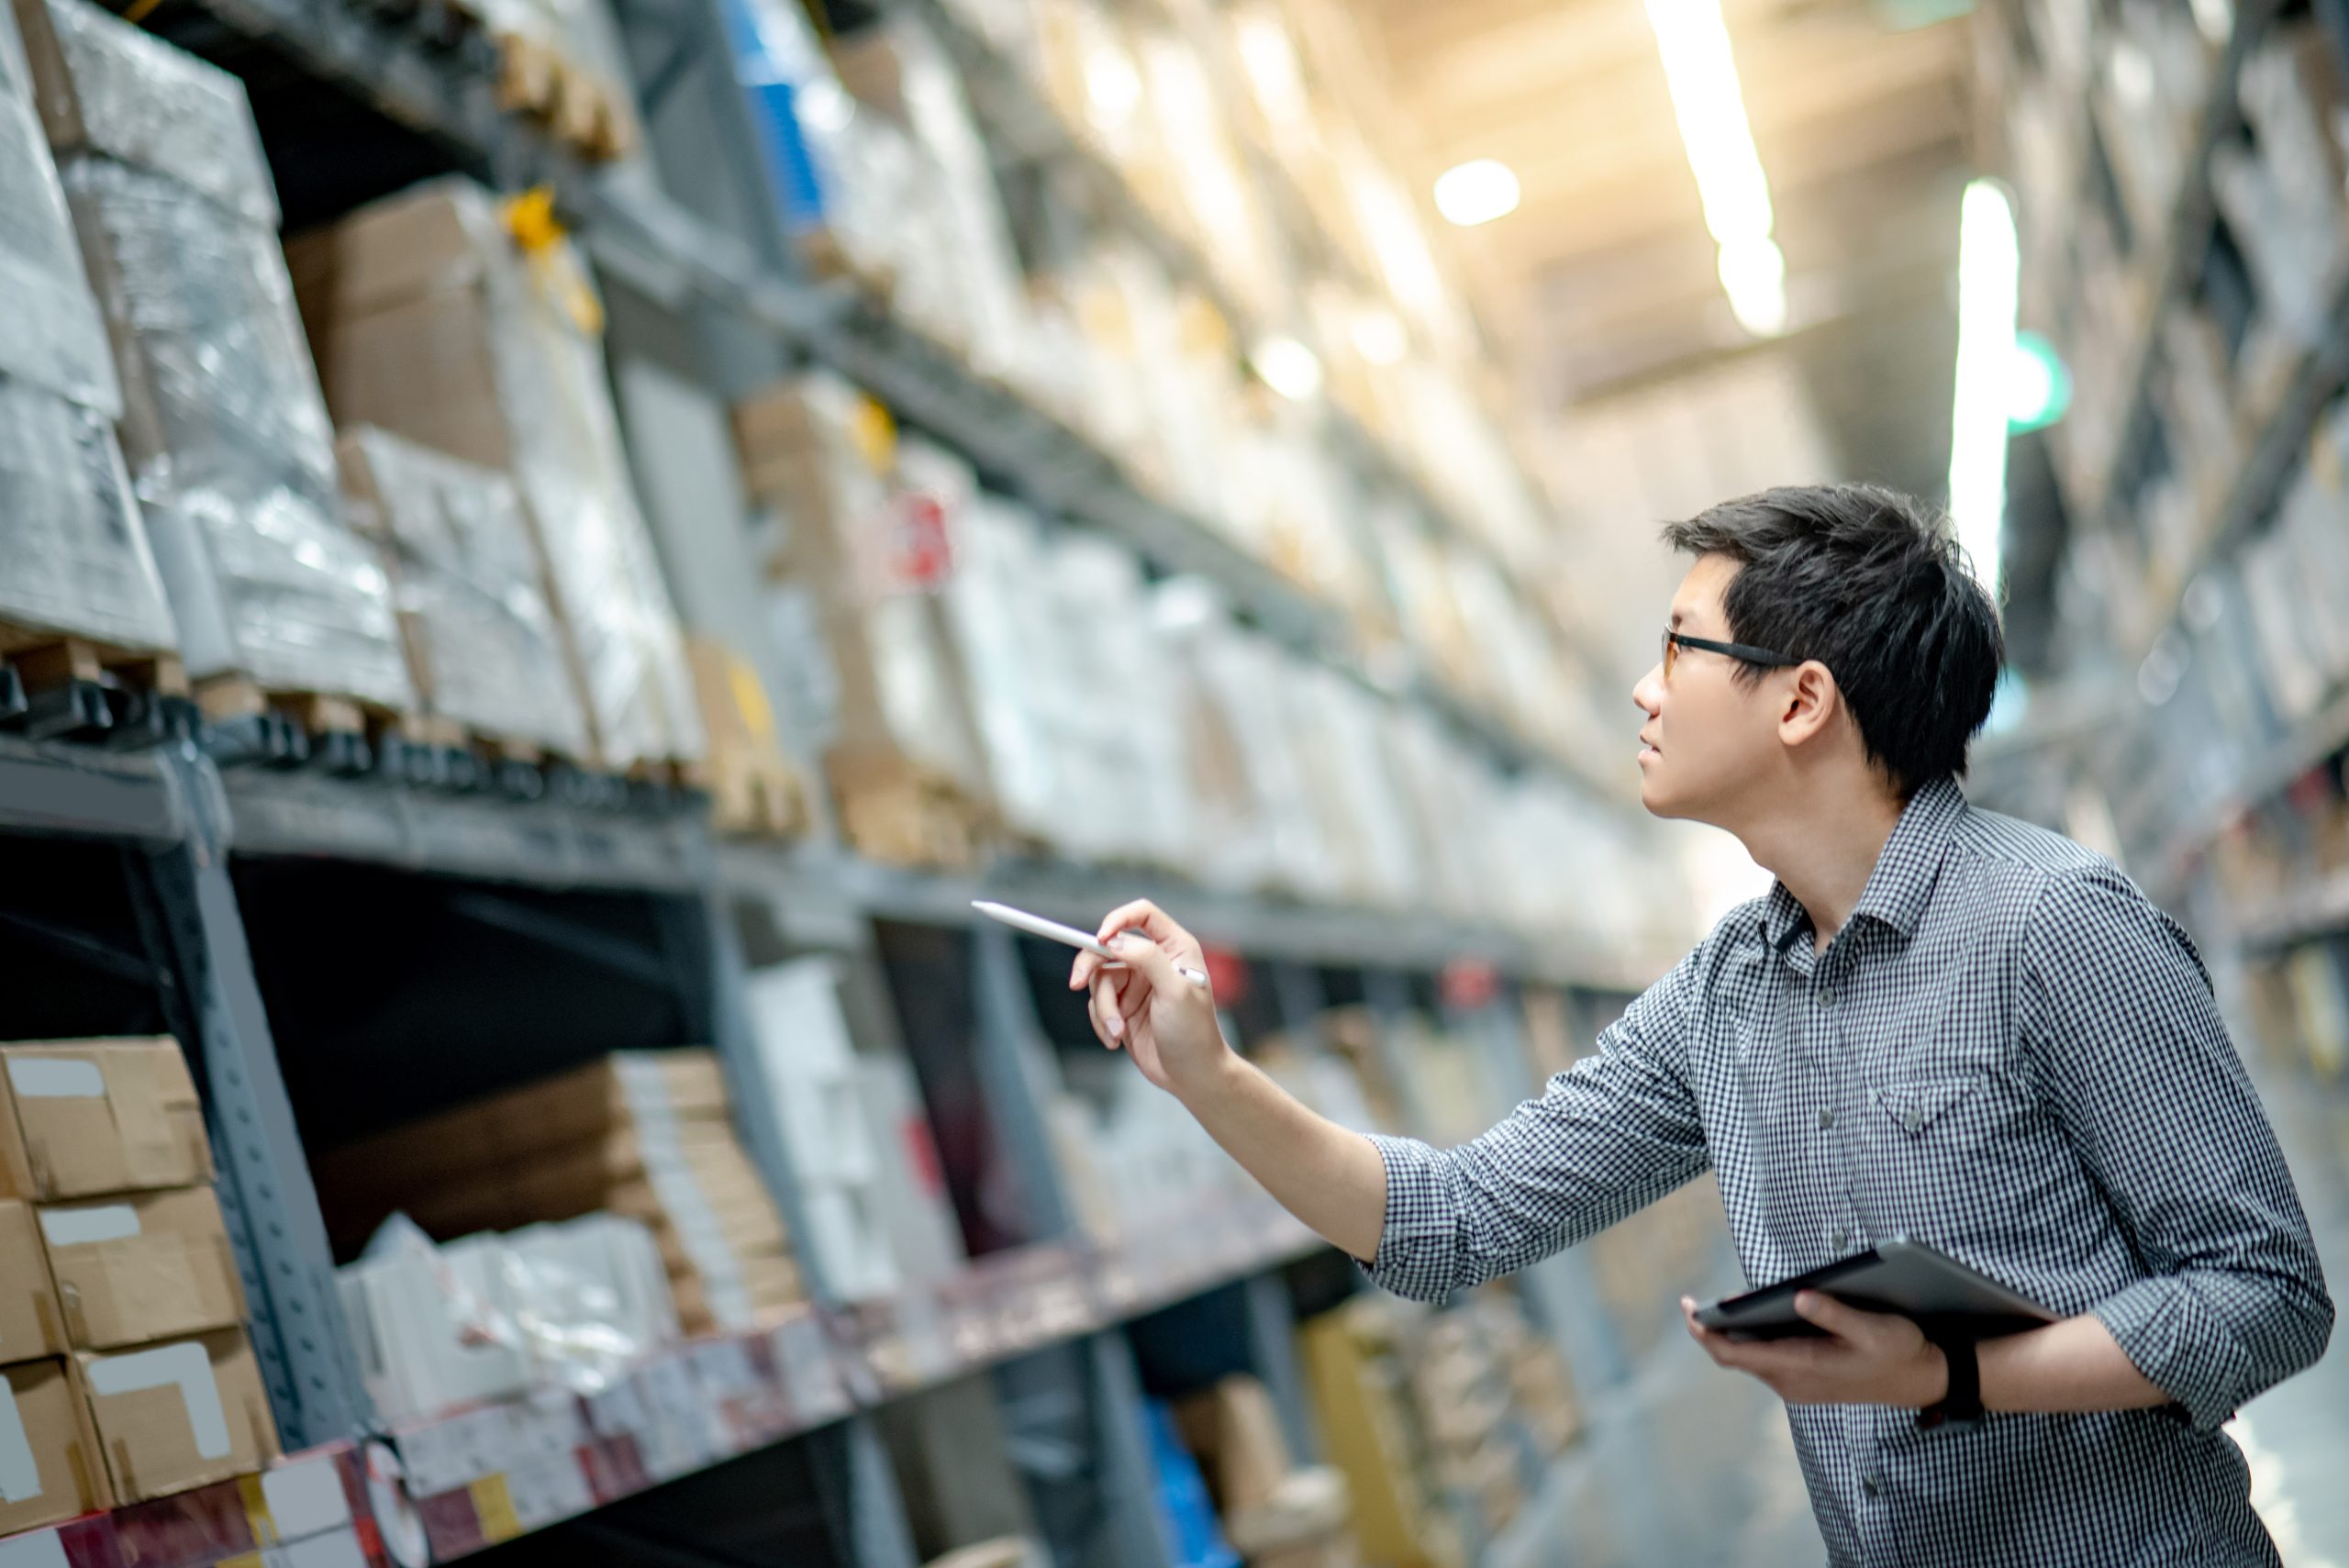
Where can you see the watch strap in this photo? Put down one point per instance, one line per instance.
(1960, 1403)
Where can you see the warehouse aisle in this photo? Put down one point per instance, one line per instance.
(1694, 1466)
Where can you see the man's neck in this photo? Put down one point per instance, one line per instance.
(1824, 850)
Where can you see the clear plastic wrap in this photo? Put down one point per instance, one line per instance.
(50, 334)
(109, 88)
(495, 1317)
(229, 446)
(78, 561)
(433, 322)
(483, 646)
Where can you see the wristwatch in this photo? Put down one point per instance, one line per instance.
(1961, 1403)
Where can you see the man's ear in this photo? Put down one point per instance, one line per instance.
(1810, 703)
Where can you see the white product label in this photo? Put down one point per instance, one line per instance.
(185, 1365)
(341, 1550)
(56, 1078)
(46, 1549)
(19, 1475)
(82, 1226)
(305, 1499)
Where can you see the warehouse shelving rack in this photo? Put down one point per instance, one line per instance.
(742, 266)
(2175, 833)
(181, 826)
(213, 856)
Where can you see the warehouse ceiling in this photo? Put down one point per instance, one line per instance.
(1604, 275)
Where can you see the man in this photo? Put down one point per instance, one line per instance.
(1939, 1023)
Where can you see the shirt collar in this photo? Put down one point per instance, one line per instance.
(1902, 883)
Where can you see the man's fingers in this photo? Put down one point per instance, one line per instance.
(1141, 916)
(1148, 960)
(1109, 1008)
(1824, 1311)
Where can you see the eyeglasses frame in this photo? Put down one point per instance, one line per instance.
(1745, 651)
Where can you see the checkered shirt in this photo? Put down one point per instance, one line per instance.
(2010, 1053)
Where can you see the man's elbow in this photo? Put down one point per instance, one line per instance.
(2310, 1314)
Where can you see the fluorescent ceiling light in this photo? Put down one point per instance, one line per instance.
(1476, 192)
(1380, 337)
(1289, 367)
(1710, 110)
(1989, 267)
(1755, 274)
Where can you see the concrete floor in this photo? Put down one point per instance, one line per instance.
(1694, 1467)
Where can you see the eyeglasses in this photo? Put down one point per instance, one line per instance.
(1674, 641)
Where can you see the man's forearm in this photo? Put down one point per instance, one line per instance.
(2066, 1368)
(1330, 1178)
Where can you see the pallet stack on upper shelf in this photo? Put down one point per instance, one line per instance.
(2187, 243)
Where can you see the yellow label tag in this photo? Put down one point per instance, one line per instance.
(494, 1506)
(751, 699)
(257, 1514)
(530, 220)
(554, 266)
(875, 435)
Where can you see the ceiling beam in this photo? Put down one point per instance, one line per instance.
(1903, 135)
(1592, 104)
(1534, 47)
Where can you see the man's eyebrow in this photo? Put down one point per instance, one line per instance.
(1676, 620)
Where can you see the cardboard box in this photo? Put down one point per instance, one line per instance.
(49, 1466)
(132, 1270)
(30, 1324)
(1236, 1434)
(625, 1091)
(174, 1416)
(98, 1117)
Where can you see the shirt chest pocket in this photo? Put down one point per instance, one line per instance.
(1915, 1107)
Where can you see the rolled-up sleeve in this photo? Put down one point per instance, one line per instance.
(2117, 1010)
(1611, 1134)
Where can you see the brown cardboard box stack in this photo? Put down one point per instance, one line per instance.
(1276, 1515)
(470, 326)
(1541, 1388)
(646, 1134)
(1463, 1406)
(862, 553)
(1356, 1373)
(120, 1309)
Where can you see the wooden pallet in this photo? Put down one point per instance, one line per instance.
(755, 802)
(45, 660)
(55, 685)
(537, 79)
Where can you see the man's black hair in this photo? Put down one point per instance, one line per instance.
(1873, 586)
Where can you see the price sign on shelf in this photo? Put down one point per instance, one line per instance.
(811, 1372)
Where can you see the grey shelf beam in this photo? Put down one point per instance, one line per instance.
(542, 842)
(56, 788)
(188, 906)
(1259, 927)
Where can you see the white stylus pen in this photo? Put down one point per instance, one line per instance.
(1037, 926)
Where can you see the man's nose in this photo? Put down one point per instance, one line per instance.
(1648, 694)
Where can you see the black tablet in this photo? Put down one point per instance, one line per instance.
(1900, 1275)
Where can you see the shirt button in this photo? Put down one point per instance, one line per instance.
(1826, 997)
(1827, 1118)
(1873, 1482)
(1842, 1237)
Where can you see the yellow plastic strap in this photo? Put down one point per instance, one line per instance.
(876, 434)
(554, 264)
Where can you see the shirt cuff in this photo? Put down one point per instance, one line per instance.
(2170, 1334)
(1417, 1247)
